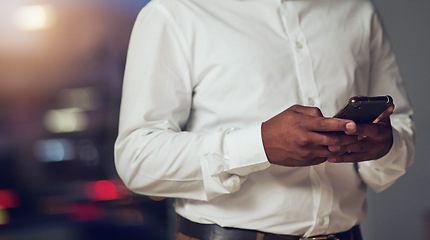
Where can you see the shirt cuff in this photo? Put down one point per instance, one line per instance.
(381, 173)
(244, 150)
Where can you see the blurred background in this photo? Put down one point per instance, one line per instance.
(61, 67)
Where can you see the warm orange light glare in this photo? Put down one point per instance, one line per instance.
(32, 18)
(4, 216)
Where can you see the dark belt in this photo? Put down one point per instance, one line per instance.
(216, 232)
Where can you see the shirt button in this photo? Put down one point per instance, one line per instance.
(299, 45)
(311, 102)
(321, 222)
(234, 185)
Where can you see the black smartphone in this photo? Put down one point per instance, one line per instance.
(364, 109)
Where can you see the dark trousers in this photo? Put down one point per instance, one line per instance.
(188, 230)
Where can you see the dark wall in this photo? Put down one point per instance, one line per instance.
(400, 212)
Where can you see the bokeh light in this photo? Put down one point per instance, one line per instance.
(35, 17)
(61, 69)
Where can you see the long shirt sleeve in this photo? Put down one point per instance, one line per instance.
(385, 77)
(154, 155)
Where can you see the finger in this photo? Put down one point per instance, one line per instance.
(334, 139)
(372, 129)
(355, 152)
(318, 155)
(385, 116)
(349, 157)
(316, 161)
(322, 124)
(323, 151)
(339, 150)
(358, 147)
(312, 111)
(157, 198)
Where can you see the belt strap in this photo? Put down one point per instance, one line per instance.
(216, 232)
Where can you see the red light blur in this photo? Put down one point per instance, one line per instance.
(86, 211)
(8, 199)
(102, 190)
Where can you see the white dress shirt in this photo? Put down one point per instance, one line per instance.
(201, 77)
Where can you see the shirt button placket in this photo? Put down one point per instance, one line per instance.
(301, 52)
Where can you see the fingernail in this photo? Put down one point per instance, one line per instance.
(350, 127)
(331, 159)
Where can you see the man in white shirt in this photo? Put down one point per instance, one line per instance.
(227, 107)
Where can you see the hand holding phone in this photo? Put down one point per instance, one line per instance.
(364, 109)
(375, 140)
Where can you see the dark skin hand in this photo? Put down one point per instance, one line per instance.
(301, 136)
(375, 138)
